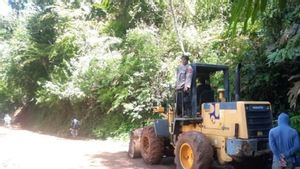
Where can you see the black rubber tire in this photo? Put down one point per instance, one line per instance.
(152, 147)
(169, 149)
(201, 149)
(134, 150)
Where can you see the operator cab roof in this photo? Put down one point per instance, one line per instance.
(208, 68)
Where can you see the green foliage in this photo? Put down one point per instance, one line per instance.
(294, 92)
(43, 3)
(127, 14)
(6, 97)
(295, 121)
(6, 28)
(113, 126)
(130, 76)
(290, 51)
(273, 56)
(208, 11)
(42, 27)
(17, 5)
(245, 10)
(30, 60)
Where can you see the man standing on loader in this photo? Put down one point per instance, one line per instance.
(183, 84)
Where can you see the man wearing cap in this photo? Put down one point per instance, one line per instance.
(183, 84)
(284, 142)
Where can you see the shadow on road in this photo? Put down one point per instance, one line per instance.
(121, 160)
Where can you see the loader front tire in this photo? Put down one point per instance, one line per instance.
(193, 151)
(152, 147)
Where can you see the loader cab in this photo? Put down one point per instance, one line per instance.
(202, 90)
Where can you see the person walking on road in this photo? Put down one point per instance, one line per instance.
(7, 120)
(75, 125)
(284, 142)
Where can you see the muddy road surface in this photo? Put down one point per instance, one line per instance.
(21, 149)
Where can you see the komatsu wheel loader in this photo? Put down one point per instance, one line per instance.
(217, 129)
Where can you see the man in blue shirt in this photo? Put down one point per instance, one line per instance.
(284, 142)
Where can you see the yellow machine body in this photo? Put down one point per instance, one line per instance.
(212, 126)
(223, 121)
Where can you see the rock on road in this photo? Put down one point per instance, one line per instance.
(21, 149)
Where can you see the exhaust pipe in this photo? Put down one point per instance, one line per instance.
(237, 82)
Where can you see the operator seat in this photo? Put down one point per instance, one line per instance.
(206, 96)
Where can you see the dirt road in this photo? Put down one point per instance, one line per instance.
(21, 149)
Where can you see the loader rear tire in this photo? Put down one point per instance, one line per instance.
(134, 150)
(193, 151)
(152, 147)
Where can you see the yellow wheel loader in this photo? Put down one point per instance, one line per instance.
(217, 130)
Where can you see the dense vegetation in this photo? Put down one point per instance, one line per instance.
(108, 62)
